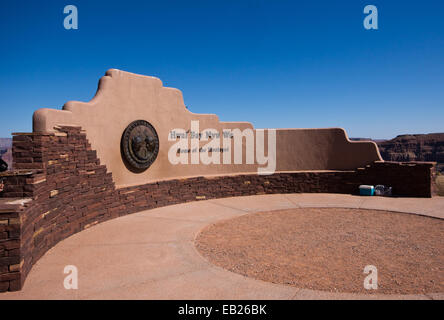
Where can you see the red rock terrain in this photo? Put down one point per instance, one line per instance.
(414, 147)
(6, 150)
(7, 157)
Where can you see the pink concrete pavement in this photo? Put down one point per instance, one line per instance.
(151, 254)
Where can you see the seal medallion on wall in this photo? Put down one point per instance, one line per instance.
(139, 145)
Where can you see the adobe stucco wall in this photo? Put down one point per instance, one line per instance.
(124, 97)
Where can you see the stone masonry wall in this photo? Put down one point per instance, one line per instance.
(70, 191)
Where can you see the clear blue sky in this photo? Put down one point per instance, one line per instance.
(278, 64)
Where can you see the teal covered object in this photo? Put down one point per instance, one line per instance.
(365, 190)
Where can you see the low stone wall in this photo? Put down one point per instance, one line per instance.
(70, 191)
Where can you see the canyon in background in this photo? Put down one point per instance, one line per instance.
(6, 151)
(413, 147)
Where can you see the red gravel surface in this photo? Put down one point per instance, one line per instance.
(328, 248)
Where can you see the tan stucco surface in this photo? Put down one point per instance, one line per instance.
(124, 97)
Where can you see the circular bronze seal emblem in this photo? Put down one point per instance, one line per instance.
(140, 144)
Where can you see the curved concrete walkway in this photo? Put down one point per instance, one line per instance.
(151, 255)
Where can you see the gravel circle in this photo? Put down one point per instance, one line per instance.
(327, 249)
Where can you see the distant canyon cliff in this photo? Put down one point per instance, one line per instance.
(6, 150)
(413, 147)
